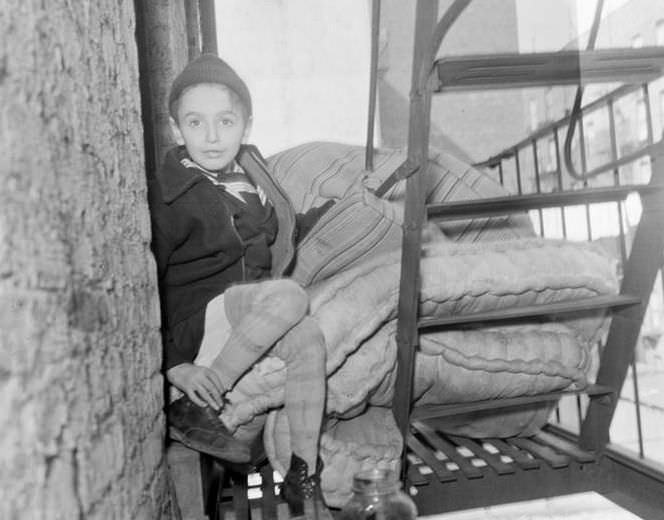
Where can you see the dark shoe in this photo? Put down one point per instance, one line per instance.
(200, 429)
(302, 492)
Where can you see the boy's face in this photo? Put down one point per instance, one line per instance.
(211, 125)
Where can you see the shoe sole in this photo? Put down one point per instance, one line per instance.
(239, 455)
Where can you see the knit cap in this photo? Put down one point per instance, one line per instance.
(208, 68)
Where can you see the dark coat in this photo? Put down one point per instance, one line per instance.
(199, 253)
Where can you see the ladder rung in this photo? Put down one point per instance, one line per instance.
(542, 309)
(568, 67)
(439, 468)
(564, 446)
(446, 410)
(449, 450)
(493, 460)
(516, 203)
(519, 457)
(553, 458)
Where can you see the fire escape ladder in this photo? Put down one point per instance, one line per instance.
(430, 76)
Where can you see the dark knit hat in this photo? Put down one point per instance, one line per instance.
(208, 68)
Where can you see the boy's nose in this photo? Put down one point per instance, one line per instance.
(212, 135)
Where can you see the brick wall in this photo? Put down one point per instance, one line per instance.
(80, 388)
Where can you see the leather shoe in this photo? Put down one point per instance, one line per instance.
(302, 492)
(200, 429)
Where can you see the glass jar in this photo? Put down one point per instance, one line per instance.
(377, 495)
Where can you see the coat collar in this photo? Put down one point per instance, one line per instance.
(175, 178)
(180, 173)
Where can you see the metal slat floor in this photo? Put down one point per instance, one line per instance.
(445, 473)
(252, 496)
(451, 473)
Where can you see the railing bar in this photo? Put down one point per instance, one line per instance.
(621, 228)
(646, 100)
(625, 159)
(582, 143)
(584, 164)
(537, 184)
(520, 312)
(407, 336)
(576, 113)
(373, 79)
(616, 181)
(623, 259)
(511, 203)
(635, 379)
(614, 142)
(618, 92)
(501, 173)
(590, 107)
(442, 410)
(536, 164)
(559, 175)
(621, 161)
(637, 406)
(518, 171)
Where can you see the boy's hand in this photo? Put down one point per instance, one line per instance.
(201, 384)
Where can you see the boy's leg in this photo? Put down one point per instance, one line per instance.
(259, 315)
(199, 427)
(240, 326)
(303, 351)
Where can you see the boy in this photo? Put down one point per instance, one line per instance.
(215, 225)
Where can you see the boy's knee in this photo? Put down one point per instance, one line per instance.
(291, 300)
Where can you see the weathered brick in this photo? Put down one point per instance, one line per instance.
(61, 500)
(80, 390)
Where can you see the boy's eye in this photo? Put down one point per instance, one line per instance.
(227, 122)
(194, 123)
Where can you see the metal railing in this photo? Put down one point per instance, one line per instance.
(546, 173)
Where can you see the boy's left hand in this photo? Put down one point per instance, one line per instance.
(201, 384)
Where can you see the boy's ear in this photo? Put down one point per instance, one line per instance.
(177, 134)
(247, 130)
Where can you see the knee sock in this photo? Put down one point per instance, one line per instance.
(303, 351)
